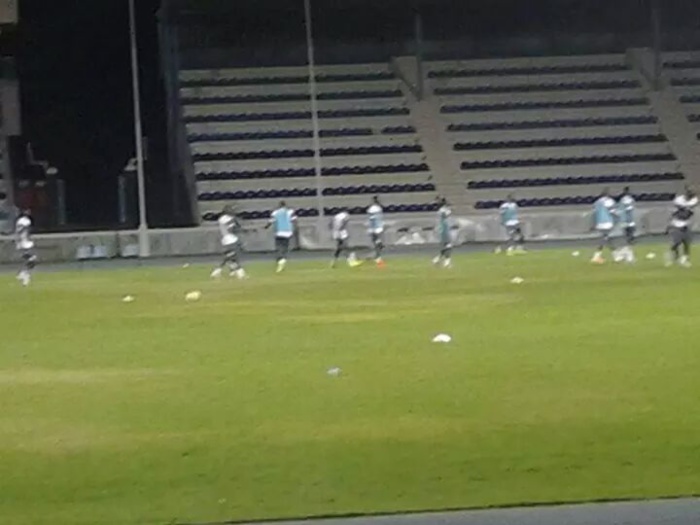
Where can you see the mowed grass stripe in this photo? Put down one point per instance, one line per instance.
(578, 384)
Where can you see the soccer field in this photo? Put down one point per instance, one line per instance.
(581, 383)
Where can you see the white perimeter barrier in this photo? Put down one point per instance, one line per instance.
(400, 231)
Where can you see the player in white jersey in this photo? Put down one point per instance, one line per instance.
(376, 229)
(25, 246)
(680, 228)
(229, 228)
(341, 236)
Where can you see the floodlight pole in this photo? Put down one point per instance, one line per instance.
(144, 245)
(314, 113)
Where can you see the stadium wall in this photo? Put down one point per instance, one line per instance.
(403, 231)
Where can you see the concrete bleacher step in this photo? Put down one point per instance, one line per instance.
(310, 182)
(262, 164)
(303, 143)
(311, 202)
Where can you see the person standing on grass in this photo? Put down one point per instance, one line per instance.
(283, 220)
(376, 229)
(626, 212)
(341, 236)
(511, 222)
(25, 246)
(679, 228)
(604, 216)
(444, 213)
(229, 228)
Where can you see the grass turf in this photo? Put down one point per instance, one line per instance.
(579, 384)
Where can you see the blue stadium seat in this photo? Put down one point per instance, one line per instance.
(547, 143)
(531, 70)
(568, 201)
(567, 161)
(535, 88)
(299, 79)
(548, 124)
(297, 115)
(573, 104)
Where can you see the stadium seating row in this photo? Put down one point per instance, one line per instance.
(329, 211)
(291, 97)
(291, 79)
(573, 180)
(534, 88)
(571, 201)
(309, 172)
(690, 99)
(685, 81)
(546, 124)
(302, 153)
(568, 104)
(298, 115)
(549, 143)
(525, 70)
(298, 134)
(311, 192)
(682, 64)
(566, 161)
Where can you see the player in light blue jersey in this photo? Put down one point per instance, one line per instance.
(376, 229)
(604, 217)
(510, 220)
(626, 213)
(443, 229)
(283, 220)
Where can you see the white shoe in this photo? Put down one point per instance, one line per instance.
(240, 273)
(685, 262)
(447, 263)
(281, 264)
(436, 260)
(597, 259)
(216, 273)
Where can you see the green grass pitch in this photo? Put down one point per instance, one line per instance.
(580, 383)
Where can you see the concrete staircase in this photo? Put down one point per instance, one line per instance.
(433, 136)
(672, 118)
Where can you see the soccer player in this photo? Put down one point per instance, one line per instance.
(25, 246)
(376, 229)
(679, 229)
(604, 213)
(229, 227)
(339, 228)
(443, 228)
(511, 222)
(626, 213)
(283, 220)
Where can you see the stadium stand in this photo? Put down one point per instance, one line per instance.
(250, 134)
(682, 70)
(554, 131)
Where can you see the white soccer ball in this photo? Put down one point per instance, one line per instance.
(576, 253)
(193, 296)
(334, 372)
(517, 280)
(651, 255)
(128, 299)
